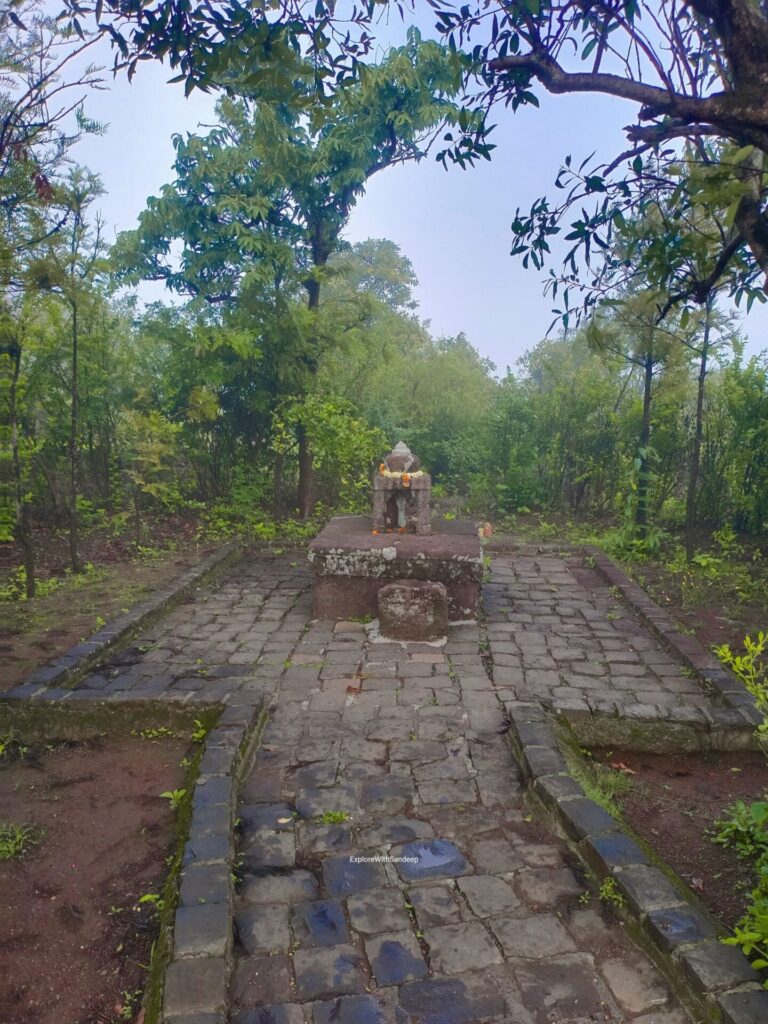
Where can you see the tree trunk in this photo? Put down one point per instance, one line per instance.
(136, 518)
(23, 533)
(693, 475)
(74, 545)
(307, 475)
(277, 500)
(641, 511)
(52, 490)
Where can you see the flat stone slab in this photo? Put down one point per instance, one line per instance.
(196, 985)
(395, 957)
(283, 1013)
(320, 923)
(532, 937)
(279, 887)
(430, 858)
(343, 875)
(434, 904)
(454, 948)
(274, 817)
(452, 1000)
(263, 928)
(313, 803)
(202, 930)
(270, 850)
(561, 988)
(350, 1010)
(260, 980)
(378, 911)
(488, 895)
(328, 972)
(346, 546)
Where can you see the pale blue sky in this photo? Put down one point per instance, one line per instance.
(453, 226)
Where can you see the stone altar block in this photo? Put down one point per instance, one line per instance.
(351, 563)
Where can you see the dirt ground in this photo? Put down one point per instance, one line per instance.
(75, 942)
(675, 800)
(33, 633)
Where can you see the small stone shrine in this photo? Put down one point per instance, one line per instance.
(431, 572)
(401, 493)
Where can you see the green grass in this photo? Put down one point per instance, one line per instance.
(18, 840)
(12, 746)
(605, 785)
(333, 818)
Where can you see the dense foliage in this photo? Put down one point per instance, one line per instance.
(294, 359)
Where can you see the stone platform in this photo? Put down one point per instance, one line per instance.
(351, 564)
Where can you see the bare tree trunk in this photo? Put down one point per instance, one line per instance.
(136, 517)
(277, 500)
(693, 475)
(643, 481)
(23, 532)
(74, 539)
(51, 482)
(307, 476)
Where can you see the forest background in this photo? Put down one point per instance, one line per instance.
(258, 401)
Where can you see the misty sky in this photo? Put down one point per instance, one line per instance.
(454, 226)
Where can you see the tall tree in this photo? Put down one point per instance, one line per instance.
(261, 202)
(69, 266)
(43, 82)
(695, 70)
(631, 331)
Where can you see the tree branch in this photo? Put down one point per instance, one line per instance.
(557, 80)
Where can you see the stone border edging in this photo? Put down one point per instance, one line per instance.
(728, 688)
(715, 979)
(649, 727)
(196, 983)
(85, 655)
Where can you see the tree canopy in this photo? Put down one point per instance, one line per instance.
(697, 73)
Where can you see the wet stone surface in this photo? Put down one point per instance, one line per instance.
(558, 633)
(376, 748)
(431, 858)
(421, 892)
(320, 923)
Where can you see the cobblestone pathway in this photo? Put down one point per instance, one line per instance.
(378, 750)
(557, 633)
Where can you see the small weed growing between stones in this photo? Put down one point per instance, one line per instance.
(333, 818)
(17, 840)
(199, 732)
(609, 893)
